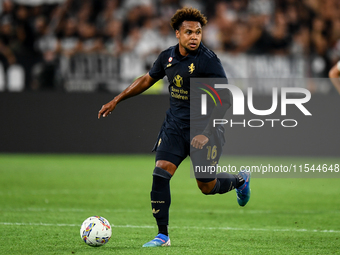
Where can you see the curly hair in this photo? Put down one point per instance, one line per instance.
(187, 14)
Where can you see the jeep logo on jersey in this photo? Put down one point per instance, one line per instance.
(178, 81)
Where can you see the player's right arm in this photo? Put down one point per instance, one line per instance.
(137, 87)
(334, 74)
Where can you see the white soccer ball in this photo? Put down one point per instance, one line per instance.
(95, 231)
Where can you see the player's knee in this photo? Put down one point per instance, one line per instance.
(167, 166)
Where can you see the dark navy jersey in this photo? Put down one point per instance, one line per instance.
(201, 63)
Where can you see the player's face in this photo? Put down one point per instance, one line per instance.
(189, 36)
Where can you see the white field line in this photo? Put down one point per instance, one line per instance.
(176, 227)
(200, 211)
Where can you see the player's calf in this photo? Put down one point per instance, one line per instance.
(161, 198)
(223, 183)
(207, 186)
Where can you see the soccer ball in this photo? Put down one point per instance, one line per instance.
(95, 231)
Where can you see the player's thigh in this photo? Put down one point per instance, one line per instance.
(170, 154)
(172, 143)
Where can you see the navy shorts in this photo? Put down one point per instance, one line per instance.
(173, 145)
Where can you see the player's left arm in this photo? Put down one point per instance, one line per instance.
(334, 74)
(218, 112)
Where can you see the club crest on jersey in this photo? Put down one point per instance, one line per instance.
(170, 59)
(178, 81)
(191, 68)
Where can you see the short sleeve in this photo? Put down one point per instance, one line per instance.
(214, 68)
(157, 71)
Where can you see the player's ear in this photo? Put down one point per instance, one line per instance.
(177, 33)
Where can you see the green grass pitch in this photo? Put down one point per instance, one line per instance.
(45, 198)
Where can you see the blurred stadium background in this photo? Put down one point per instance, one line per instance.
(60, 60)
(53, 51)
(91, 45)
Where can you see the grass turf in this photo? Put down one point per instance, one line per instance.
(45, 198)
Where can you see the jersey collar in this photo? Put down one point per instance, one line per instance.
(175, 52)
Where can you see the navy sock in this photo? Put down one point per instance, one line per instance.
(226, 182)
(161, 199)
(163, 229)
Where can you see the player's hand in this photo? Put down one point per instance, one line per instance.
(199, 141)
(107, 109)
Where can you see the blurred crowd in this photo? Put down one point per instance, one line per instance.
(35, 36)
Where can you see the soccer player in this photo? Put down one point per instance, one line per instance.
(334, 75)
(188, 59)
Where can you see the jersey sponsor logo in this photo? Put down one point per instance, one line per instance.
(178, 81)
(191, 68)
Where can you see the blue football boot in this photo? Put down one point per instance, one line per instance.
(160, 240)
(243, 192)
